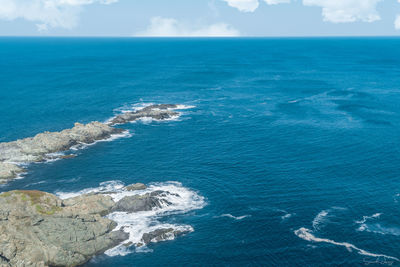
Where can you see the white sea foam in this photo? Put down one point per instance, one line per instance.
(123, 134)
(377, 228)
(366, 218)
(396, 197)
(40, 182)
(323, 217)
(136, 224)
(320, 219)
(235, 217)
(51, 157)
(308, 235)
(108, 186)
(286, 216)
(148, 120)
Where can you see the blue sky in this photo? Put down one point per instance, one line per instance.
(199, 17)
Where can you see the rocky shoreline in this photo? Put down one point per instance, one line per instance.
(40, 229)
(16, 154)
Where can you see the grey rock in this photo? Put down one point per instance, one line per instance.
(89, 204)
(158, 112)
(39, 229)
(37, 148)
(144, 202)
(161, 235)
(9, 171)
(134, 187)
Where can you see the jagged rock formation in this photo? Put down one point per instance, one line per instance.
(161, 235)
(38, 148)
(144, 202)
(40, 229)
(157, 112)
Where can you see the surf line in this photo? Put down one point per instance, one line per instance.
(306, 234)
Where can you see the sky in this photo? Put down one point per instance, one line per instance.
(194, 18)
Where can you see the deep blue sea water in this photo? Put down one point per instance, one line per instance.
(299, 136)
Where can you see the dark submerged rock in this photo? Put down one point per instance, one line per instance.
(161, 235)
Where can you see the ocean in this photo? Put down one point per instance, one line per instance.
(288, 152)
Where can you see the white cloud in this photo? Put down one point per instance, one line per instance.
(252, 5)
(243, 5)
(47, 13)
(397, 22)
(338, 11)
(169, 27)
(275, 2)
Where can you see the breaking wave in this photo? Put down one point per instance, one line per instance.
(147, 120)
(377, 228)
(323, 217)
(180, 199)
(307, 234)
(238, 218)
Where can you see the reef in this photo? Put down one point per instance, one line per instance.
(40, 229)
(15, 155)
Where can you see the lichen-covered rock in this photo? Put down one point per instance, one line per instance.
(39, 229)
(134, 187)
(89, 204)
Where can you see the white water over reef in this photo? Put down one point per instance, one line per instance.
(181, 200)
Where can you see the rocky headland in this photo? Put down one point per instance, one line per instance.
(40, 229)
(15, 155)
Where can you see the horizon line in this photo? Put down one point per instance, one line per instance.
(200, 37)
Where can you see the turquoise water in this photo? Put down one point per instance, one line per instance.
(293, 143)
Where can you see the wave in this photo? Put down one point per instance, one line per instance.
(40, 182)
(396, 197)
(376, 228)
(113, 137)
(181, 200)
(320, 219)
(147, 119)
(287, 216)
(366, 218)
(306, 234)
(323, 217)
(52, 146)
(235, 217)
(56, 156)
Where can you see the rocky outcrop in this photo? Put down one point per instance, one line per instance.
(9, 171)
(134, 187)
(161, 235)
(40, 147)
(36, 149)
(157, 112)
(144, 202)
(39, 229)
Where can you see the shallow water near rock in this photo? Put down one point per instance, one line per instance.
(293, 143)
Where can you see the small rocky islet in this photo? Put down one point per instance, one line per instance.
(40, 229)
(40, 147)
